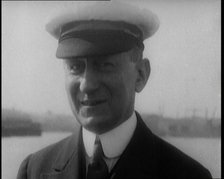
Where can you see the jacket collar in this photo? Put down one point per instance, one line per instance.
(139, 150)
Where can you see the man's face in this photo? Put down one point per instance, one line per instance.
(101, 90)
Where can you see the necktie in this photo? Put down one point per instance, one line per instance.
(97, 168)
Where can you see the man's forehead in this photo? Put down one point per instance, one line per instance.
(107, 57)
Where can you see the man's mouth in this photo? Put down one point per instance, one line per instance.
(92, 102)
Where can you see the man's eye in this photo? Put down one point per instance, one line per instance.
(75, 69)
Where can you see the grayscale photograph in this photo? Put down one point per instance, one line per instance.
(111, 89)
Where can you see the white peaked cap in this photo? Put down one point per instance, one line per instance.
(100, 28)
(144, 19)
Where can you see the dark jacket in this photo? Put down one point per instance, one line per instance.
(146, 156)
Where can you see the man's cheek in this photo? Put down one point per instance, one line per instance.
(72, 92)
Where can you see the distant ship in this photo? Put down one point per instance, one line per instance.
(184, 127)
(15, 123)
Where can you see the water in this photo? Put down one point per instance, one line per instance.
(15, 149)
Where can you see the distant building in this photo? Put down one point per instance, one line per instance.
(16, 123)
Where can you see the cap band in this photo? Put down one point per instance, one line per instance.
(104, 42)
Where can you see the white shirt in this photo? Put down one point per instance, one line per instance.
(113, 142)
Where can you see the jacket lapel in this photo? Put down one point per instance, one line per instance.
(138, 159)
(71, 171)
(68, 163)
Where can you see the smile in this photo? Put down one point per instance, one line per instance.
(92, 102)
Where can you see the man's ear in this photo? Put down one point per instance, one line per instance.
(143, 72)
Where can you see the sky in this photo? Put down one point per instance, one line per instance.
(185, 57)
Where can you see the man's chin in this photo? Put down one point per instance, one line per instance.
(92, 120)
(96, 124)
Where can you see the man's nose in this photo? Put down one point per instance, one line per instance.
(89, 81)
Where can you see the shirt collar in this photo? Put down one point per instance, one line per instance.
(114, 141)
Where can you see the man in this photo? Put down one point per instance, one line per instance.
(101, 47)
